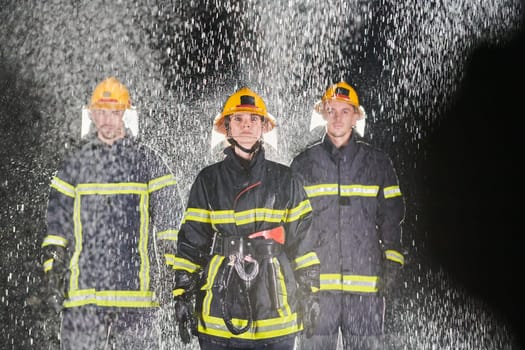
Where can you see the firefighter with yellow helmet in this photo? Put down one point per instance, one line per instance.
(109, 204)
(358, 213)
(244, 251)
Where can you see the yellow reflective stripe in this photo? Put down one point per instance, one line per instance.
(282, 292)
(48, 264)
(168, 235)
(143, 243)
(363, 284)
(359, 190)
(112, 188)
(306, 260)
(321, 190)
(178, 292)
(346, 190)
(54, 240)
(185, 264)
(349, 283)
(196, 214)
(221, 216)
(161, 182)
(243, 217)
(63, 187)
(73, 265)
(392, 191)
(170, 259)
(213, 268)
(296, 213)
(395, 256)
(260, 329)
(115, 298)
(257, 214)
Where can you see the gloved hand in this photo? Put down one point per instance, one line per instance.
(186, 318)
(308, 299)
(310, 312)
(186, 287)
(390, 279)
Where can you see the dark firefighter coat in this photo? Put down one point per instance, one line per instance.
(228, 201)
(103, 205)
(357, 212)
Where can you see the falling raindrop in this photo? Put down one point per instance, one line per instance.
(182, 58)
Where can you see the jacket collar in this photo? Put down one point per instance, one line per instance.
(240, 165)
(345, 152)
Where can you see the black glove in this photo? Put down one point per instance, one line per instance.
(390, 280)
(308, 300)
(184, 305)
(186, 318)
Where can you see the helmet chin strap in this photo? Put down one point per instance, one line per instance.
(256, 146)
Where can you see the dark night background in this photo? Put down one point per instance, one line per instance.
(474, 168)
(462, 179)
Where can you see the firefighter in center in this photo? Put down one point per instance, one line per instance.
(245, 257)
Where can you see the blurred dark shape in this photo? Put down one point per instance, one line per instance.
(23, 195)
(474, 182)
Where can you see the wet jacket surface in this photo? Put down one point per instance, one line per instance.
(228, 201)
(104, 204)
(357, 212)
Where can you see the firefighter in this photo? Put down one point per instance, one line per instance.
(244, 250)
(110, 203)
(358, 211)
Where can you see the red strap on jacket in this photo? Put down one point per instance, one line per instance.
(277, 234)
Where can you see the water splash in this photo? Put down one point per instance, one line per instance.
(181, 59)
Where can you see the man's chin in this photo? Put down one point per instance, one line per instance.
(246, 141)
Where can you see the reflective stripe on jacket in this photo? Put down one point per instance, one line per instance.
(103, 204)
(358, 209)
(228, 200)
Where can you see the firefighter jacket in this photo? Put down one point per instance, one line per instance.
(104, 204)
(357, 212)
(229, 201)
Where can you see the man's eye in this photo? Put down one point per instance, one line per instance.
(255, 118)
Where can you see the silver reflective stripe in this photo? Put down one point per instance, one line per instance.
(63, 187)
(306, 260)
(395, 256)
(111, 298)
(297, 212)
(321, 190)
(163, 181)
(168, 235)
(112, 188)
(359, 190)
(48, 264)
(392, 191)
(54, 240)
(143, 242)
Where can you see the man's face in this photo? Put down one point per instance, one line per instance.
(340, 118)
(109, 124)
(245, 128)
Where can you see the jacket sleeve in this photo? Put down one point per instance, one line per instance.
(196, 232)
(165, 210)
(300, 238)
(391, 213)
(58, 239)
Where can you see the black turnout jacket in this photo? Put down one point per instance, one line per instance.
(229, 200)
(358, 209)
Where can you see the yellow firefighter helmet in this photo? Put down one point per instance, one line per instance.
(341, 91)
(243, 100)
(110, 94)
